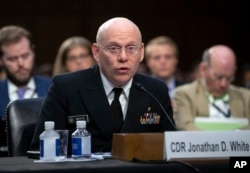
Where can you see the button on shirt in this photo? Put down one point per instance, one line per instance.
(29, 93)
(108, 87)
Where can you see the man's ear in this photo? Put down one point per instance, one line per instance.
(202, 67)
(142, 53)
(95, 51)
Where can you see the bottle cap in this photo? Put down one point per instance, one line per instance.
(81, 124)
(49, 125)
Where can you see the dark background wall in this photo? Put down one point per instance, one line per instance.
(193, 24)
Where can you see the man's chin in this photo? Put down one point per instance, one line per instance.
(20, 81)
(162, 74)
(219, 95)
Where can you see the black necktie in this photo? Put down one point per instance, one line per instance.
(116, 109)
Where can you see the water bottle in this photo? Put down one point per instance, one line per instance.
(49, 143)
(81, 141)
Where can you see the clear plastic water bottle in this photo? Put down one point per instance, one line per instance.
(49, 143)
(81, 141)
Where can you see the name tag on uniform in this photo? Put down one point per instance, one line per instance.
(73, 118)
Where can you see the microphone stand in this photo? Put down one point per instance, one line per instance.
(139, 86)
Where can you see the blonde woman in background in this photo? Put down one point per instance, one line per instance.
(74, 54)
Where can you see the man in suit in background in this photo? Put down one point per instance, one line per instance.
(17, 59)
(89, 94)
(161, 55)
(212, 95)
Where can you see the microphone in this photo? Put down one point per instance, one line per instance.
(140, 87)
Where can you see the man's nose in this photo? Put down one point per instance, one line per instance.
(224, 82)
(20, 61)
(123, 55)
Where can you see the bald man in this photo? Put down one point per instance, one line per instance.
(89, 94)
(212, 95)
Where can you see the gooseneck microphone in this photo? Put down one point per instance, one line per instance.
(139, 86)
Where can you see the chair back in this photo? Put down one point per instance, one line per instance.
(21, 116)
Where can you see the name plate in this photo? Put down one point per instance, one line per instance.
(204, 144)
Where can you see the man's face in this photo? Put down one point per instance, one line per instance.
(218, 78)
(119, 54)
(162, 61)
(18, 60)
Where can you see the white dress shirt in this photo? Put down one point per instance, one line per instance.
(171, 87)
(29, 93)
(108, 87)
(221, 104)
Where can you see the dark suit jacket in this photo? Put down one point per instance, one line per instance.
(82, 93)
(42, 85)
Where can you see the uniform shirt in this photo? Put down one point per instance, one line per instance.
(108, 87)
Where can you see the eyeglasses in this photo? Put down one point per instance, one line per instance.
(74, 58)
(221, 77)
(116, 50)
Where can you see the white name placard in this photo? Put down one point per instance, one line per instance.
(206, 144)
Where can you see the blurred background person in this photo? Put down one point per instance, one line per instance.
(74, 54)
(161, 55)
(212, 95)
(17, 59)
